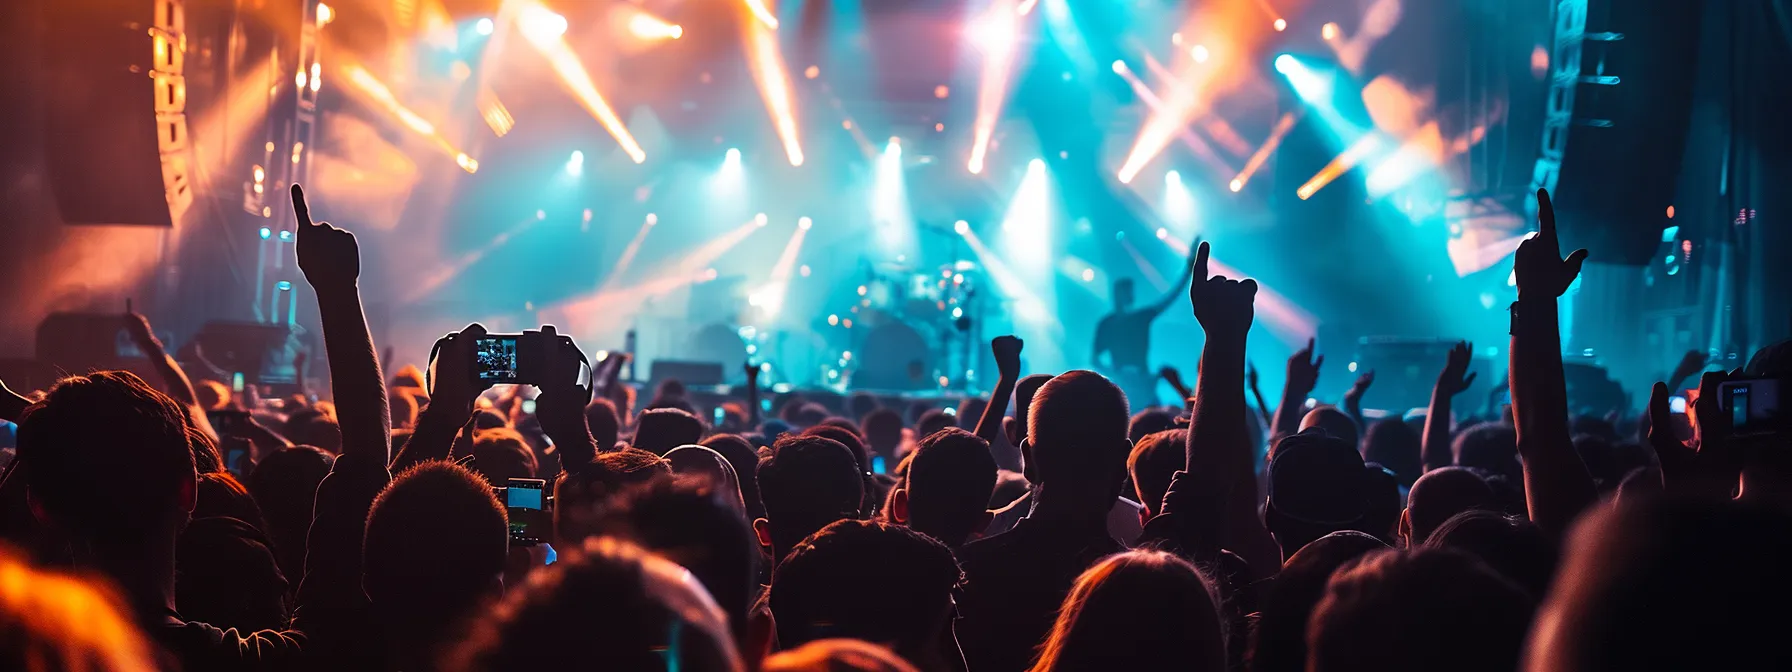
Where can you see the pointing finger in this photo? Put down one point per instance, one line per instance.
(1546, 216)
(1201, 253)
(299, 208)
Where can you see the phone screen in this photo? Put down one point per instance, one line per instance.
(1739, 407)
(1754, 406)
(524, 493)
(721, 415)
(232, 459)
(878, 465)
(495, 359)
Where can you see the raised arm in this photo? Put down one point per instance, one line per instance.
(1174, 378)
(752, 371)
(331, 261)
(1557, 486)
(989, 426)
(451, 395)
(1250, 378)
(12, 405)
(1303, 376)
(1353, 398)
(1450, 382)
(561, 405)
(174, 379)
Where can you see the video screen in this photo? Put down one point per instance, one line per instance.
(519, 497)
(496, 359)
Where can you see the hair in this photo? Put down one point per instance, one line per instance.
(607, 598)
(1149, 421)
(436, 540)
(1317, 485)
(1137, 610)
(1491, 447)
(1425, 609)
(860, 403)
(108, 456)
(740, 454)
(403, 407)
(220, 494)
(1279, 642)
(808, 414)
(1335, 422)
(1390, 443)
(949, 482)
(1440, 494)
(1155, 459)
(1381, 502)
(284, 485)
(934, 420)
(606, 426)
(662, 429)
(694, 528)
(311, 427)
(51, 622)
(847, 437)
(806, 483)
(883, 431)
(1077, 428)
(579, 495)
(501, 454)
(702, 465)
(1512, 546)
(226, 575)
(1670, 584)
(837, 655)
(821, 590)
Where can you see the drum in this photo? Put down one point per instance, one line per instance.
(894, 356)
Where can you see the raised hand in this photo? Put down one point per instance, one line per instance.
(1007, 353)
(453, 388)
(1250, 375)
(561, 405)
(1705, 467)
(329, 256)
(752, 371)
(1456, 377)
(1538, 266)
(141, 333)
(1360, 386)
(1222, 305)
(1171, 376)
(1303, 371)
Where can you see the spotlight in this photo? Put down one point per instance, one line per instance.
(733, 156)
(1329, 31)
(760, 219)
(961, 227)
(1172, 179)
(649, 27)
(652, 219)
(1237, 186)
(993, 33)
(541, 25)
(1119, 67)
(1162, 233)
(1088, 275)
(324, 14)
(1286, 64)
(804, 223)
(1281, 25)
(575, 164)
(1199, 53)
(483, 27)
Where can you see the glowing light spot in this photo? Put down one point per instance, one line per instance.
(1329, 31)
(962, 227)
(325, 14)
(540, 25)
(1236, 186)
(1281, 25)
(1199, 53)
(760, 219)
(1088, 275)
(804, 223)
(1162, 233)
(811, 72)
(941, 91)
(483, 26)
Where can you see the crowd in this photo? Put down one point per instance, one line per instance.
(193, 528)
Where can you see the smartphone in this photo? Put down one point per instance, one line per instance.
(878, 465)
(525, 500)
(228, 421)
(232, 458)
(524, 493)
(721, 414)
(1754, 406)
(494, 360)
(236, 382)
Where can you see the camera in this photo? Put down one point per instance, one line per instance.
(528, 505)
(520, 359)
(1754, 406)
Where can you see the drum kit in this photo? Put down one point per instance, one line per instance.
(912, 328)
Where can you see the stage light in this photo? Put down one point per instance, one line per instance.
(1329, 31)
(994, 33)
(649, 27)
(766, 60)
(890, 216)
(1281, 25)
(961, 227)
(1179, 204)
(760, 219)
(265, 233)
(1286, 64)
(1199, 53)
(1237, 186)
(496, 116)
(942, 91)
(466, 163)
(763, 14)
(1119, 67)
(1268, 147)
(541, 25)
(1027, 224)
(804, 223)
(1172, 179)
(1088, 275)
(575, 164)
(1345, 161)
(325, 15)
(1351, 367)
(812, 72)
(483, 26)
(1162, 233)
(541, 215)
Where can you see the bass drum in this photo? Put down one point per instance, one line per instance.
(894, 356)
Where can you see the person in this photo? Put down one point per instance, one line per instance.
(1138, 610)
(52, 622)
(883, 433)
(605, 425)
(1154, 460)
(1150, 421)
(1439, 495)
(805, 483)
(580, 496)
(1317, 486)
(1425, 609)
(1334, 421)
(1124, 335)
(226, 575)
(1016, 580)
(1490, 447)
(502, 454)
(820, 591)
(661, 429)
(1278, 643)
(606, 602)
(709, 469)
(1390, 443)
(698, 529)
(284, 485)
(947, 486)
(1512, 546)
(745, 460)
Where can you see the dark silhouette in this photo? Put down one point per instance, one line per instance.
(1418, 610)
(947, 488)
(820, 591)
(806, 483)
(1439, 495)
(1139, 610)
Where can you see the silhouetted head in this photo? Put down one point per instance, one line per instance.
(1427, 609)
(605, 424)
(1077, 438)
(847, 437)
(1439, 495)
(806, 483)
(823, 590)
(934, 420)
(662, 429)
(708, 470)
(501, 454)
(1510, 545)
(1279, 642)
(1335, 422)
(949, 481)
(1155, 459)
(579, 496)
(1317, 485)
(741, 455)
(1149, 421)
(284, 485)
(403, 408)
(883, 431)
(1381, 503)
(1123, 294)
(1667, 584)
(226, 576)
(670, 388)
(858, 404)
(697, 530)
(107, 458)
(220, 494)
(1491, 447)
(435, 546)
(970, 412)
(1395, 446)
(1138, 610)
(605, 602)
(54, 623)
(311, 427)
